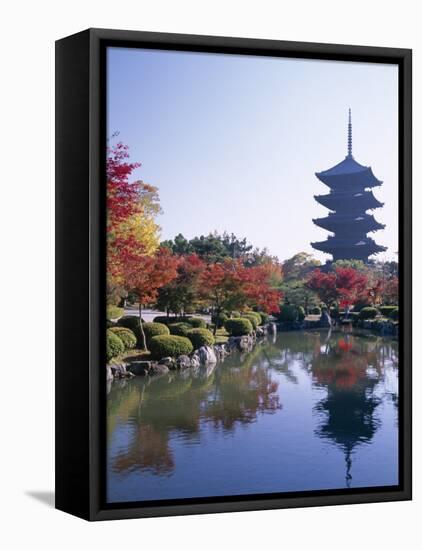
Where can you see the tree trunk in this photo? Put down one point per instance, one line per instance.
(144, 342)
(216, 314)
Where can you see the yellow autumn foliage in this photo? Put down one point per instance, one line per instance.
(144, 230)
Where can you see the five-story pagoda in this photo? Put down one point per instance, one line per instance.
(349, 200)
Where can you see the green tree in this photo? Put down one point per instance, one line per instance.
(180, 245)
(299, 266)
(235, 248)
(298, 294)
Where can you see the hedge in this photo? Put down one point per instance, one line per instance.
(154, 329)
(258, 316)
(114, 345)
(163, 319)
(168, 345)
(129, 321)
(132, 323)
(368, 312)
(126, 336)
(238, 326)
(195, 322)
(114, 312)
(359, 305)
(315, 310)
(252, 318)
(386, 310)
(200, 337)
(179, 329)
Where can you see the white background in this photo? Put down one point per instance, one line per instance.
(27, 37)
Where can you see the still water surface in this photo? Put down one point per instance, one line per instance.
(304, 411)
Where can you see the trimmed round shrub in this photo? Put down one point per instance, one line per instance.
(194, 322)
(200, 337)
(126, 336)
(163, 319)
(386, 310)
(264, 317)
(368, 312)
(219, 319)
(238, 326)
(179, 329)
(235, 314)
(129, 321)
(288, 313)
(114, 312)
(300, 313)
(315, 310)
(154, 329)
(359, 305)
(256, 315)
(394, 314)
(168, 345)
(132, 323)
(114, 345)
(252, 318)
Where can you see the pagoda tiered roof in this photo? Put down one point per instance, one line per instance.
(360, 200)
(354, 223)
(349, 173)
(358, 247)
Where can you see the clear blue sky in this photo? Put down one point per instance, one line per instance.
(233, 142)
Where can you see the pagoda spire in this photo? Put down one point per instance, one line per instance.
(349, 136)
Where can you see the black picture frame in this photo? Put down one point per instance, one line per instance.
(80, 273)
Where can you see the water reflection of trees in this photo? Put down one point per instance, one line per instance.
(153, 411)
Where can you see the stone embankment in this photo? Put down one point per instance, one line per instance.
(205, 355)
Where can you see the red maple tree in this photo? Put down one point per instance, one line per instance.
(324, 284)
(351, 285)
(230, 285)
(391, 291)
(122, 195)
(257, 288)
(147, 275)
(183, 292)
(343, 285)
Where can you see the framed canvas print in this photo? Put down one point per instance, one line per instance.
(233, 274)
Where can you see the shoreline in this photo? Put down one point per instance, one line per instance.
(139, 364)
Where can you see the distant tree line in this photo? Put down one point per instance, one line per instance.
(216, 247)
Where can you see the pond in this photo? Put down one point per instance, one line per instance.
(302, 411)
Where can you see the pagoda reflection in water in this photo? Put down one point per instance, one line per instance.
(348, 409)
(349, 200)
